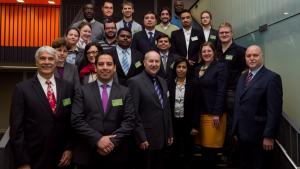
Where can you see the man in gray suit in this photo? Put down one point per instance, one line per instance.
(153, 130)
(103, 116)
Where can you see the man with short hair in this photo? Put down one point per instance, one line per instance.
(178, 8)
(165, 26)
(144, 40)
(186, 41)
(89, 14)
(153, 131)
(103, 116)
(107, 10)
(109, 40)
(129, 61)
(40, 129)
(210, 34)
(127, 21)
(258, 108)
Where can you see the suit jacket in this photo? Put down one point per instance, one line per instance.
(142, 43)
(168, 73)
(213, 37)
(179, 45)
(258, 107)
(70, 74)
(91, 123)
(190, 119)
(153, 121)
(38, 137)
(135, 68)
(210, 89)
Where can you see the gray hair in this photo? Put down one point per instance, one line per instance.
(48, 49)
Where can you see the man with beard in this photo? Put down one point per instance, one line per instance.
(97, 27)
(109, 39)
(129, 61)
(165, 26)
(127, 21)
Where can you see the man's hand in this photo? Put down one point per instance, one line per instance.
(170, 141)
(65, 159)
(105, 146)
(268, 144)
(194, 132)
(26, 166)
(144, 145)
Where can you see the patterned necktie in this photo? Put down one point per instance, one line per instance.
(151, 36)
(125, 64)
(51, 96)
(158, 92)
(248, 79)
(104, 97)
(164, 61)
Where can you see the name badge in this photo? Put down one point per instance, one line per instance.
(212, 37)
(117, 102)
(194, 38)
(66, 101)
(137, 64)
(228, 57)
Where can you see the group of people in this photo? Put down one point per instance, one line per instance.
(118, 95)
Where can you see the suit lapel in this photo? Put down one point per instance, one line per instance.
(59, 91)
(149, 84)
(97, 95)
(67, 70)
(112, 95)
(182, 39)
(164, 90)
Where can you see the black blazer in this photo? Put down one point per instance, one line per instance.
(258, 107)
(37, 136)
(91, 123)
(210, 89)
(168, 73)
(213, 37)
(136, 66)
(142, 43)
(190, 119)
(154, 122)
(179, 45)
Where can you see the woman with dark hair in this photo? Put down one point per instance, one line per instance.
(64, 70)
(183, 123)
(75, 54)
(209, 88)
(88, 72)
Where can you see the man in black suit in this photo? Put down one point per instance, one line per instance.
(186, 41)
(153, 130)
(40, 128)
(258, 108)
(210, 34)
(103, 116)
(167, 58)
(129, 61)
(144, 40)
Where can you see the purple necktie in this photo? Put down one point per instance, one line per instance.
(104, 97)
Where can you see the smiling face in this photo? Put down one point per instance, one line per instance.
(186, 20)
(91, 53)
(152, 63)
(165, 16)
(254, 57)
(46, 64)
(105, 68)
(72, 37)
(86, 33)
(225, 34)
(110, 30)
(127, 10)
(163, 44)
(124, 39)
(181, 70)
(62, 54)
(207, 54)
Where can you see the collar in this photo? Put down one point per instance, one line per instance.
(254, 72)
(109, 84)
(43, 80)
(147, 31)
(92, 21)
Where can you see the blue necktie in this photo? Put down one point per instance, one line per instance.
(125, 64)
(151, 36)
(158, 92)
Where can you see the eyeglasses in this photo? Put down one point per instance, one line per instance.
(92, 52)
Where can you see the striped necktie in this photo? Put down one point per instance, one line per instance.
(151, 38)
(158, 92)
(125, 64)
(248, 79)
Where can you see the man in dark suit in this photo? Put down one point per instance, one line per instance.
(144, 40)
(40, 128)
(103, 116)
(153, 130)
(129, 61)
(258, 108)
(167, 58)
(186, 41)
(210, 34)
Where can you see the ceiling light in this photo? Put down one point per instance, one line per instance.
(20, 1)
(51, 2)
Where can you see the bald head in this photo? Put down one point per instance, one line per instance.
(254, 57)
(152, 63)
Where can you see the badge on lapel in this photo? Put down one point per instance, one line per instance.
(228, 57)
(212, 37)
(66, 101)
(137, 64)
(194, 38)
(117, 102)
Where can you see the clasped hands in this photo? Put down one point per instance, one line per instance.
(105, 145)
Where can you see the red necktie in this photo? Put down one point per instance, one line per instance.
(51, 96)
